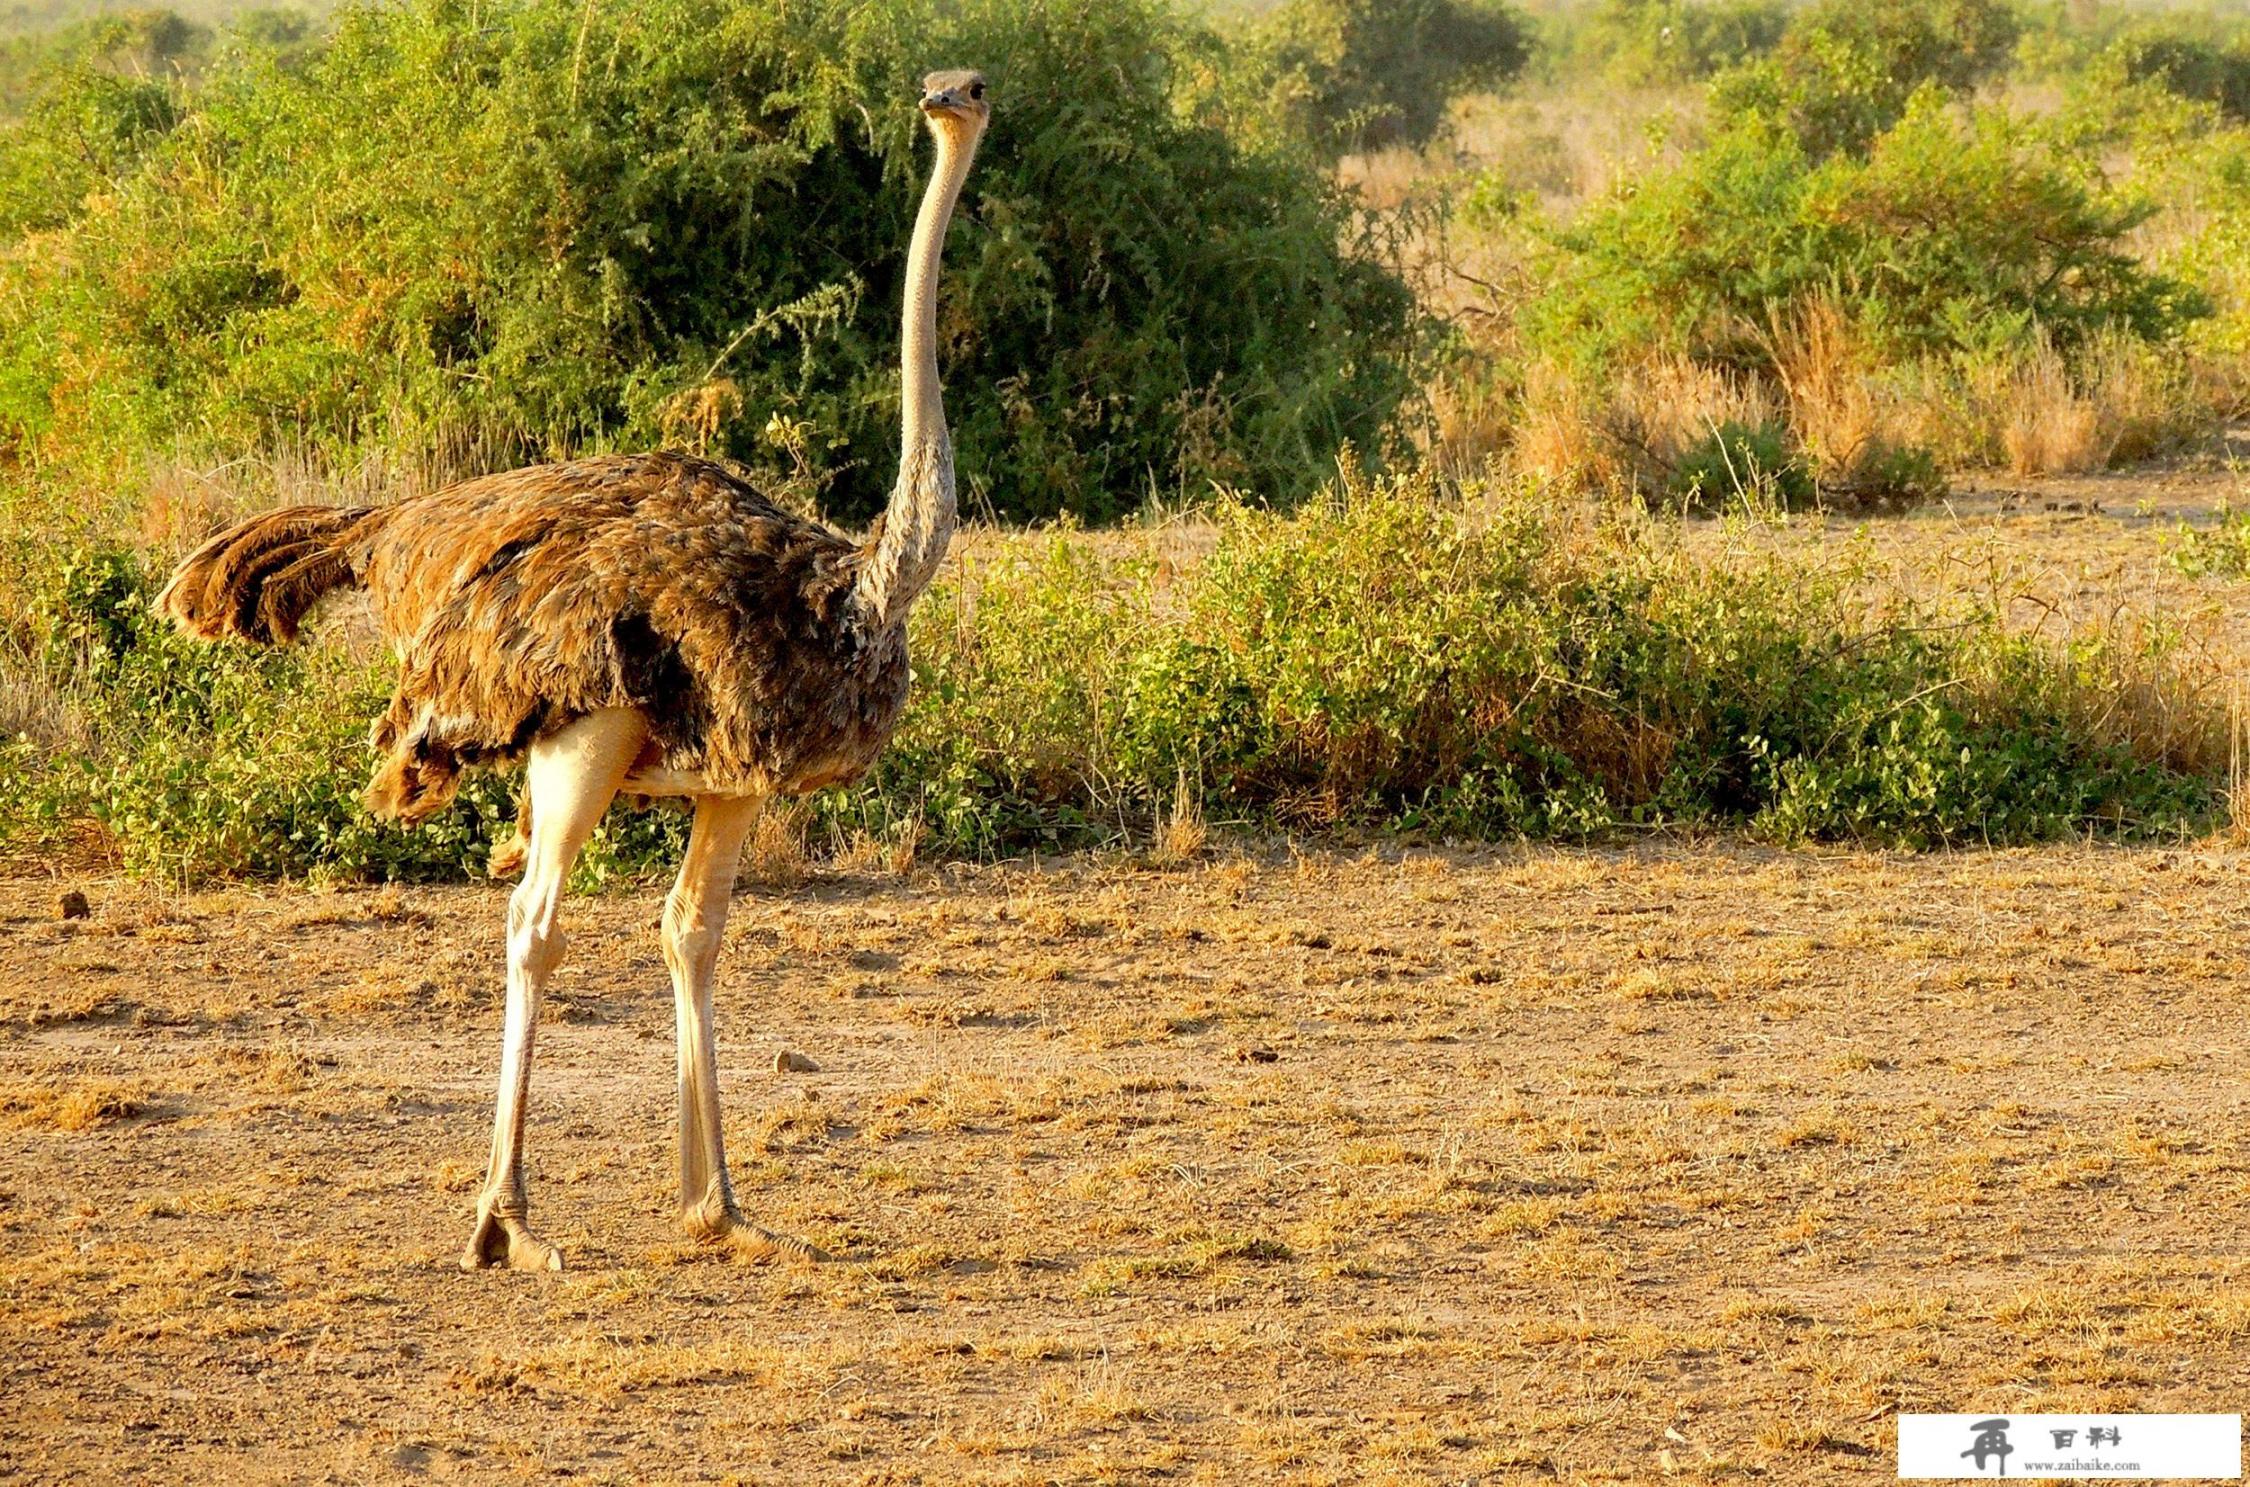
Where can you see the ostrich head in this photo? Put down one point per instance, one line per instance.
(955, 105)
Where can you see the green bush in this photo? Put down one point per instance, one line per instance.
(1380, 660)
(1345, 75)
(1742, 467)
(2221, 549)
(214, 758)
(685, 222)
(141, 44)
(1846, 69)
(2198, 165)
(2202, 68)
(82, 105)
(1952, 235)
(1887, 475)
(1641, 42)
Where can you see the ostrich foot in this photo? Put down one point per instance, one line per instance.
(726, 1225)
(503, 1239)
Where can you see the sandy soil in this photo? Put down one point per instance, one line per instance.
(1598, 1165)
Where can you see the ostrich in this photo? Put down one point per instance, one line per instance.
(646, 624)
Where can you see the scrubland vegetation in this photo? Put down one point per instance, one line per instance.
(1379, 658)
(1399, 373)
(1881, 254)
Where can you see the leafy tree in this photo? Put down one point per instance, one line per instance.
(523, 228)
(2196, 67)
(81, 103)
(1677, 41)
(1953, 234)
(1345, 75)
(135, 43)
(1846, 69)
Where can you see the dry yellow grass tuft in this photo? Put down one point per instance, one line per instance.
(1848, 418)
(1181, 834)
(775, 855)
(1558, 432)
(2048, 425)
(69, 1104)
(1632, 432)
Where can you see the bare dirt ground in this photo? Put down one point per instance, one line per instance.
(1598, 1165)
(1695, 1159)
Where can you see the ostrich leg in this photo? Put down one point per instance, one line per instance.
(568, 784)
(695, 917)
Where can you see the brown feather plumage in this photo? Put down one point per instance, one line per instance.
(246, 590)
(519, 602)
(292, 591)
(215, 590)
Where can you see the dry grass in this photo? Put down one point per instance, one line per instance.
(1376, 1254)
(1660, 410)
(2037, 413)
(70, 1104)
(1556, 434)
(1181, 834)
(2047, 424)
(37, 705)
(775, 855)
(1632, 432)
(1848, 417)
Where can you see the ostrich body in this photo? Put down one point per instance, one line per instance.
(647, 624)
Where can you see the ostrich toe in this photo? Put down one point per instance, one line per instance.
(503, 1239)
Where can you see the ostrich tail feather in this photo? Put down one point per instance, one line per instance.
(255, 580)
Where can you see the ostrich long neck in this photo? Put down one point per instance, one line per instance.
(919, 521)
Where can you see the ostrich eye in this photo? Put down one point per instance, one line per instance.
(976, 90)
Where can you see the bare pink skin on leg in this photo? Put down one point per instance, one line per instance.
(695, 917)
(569, 783)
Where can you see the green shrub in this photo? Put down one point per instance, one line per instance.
(2202, 68)
(1743, 467)
(1952, 235)
(1884, 474)
(1642, 42)
(1345, 75)
(1846, 70)
(83, 104)
(1380, 660)
(144, 44)
(217, 758)
(2205, 177)
(684, 222)
(2221, 549)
